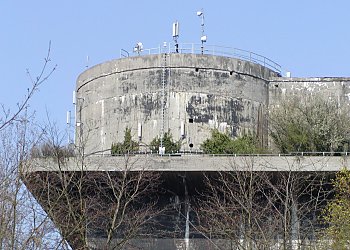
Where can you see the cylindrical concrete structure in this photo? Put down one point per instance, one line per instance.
(202, 92)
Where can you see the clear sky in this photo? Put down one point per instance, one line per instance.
(307, 37)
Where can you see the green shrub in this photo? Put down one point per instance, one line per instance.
(246, 144)
(170, 145)
(221, 143)
(337, 213)
(127, 146)
(310, 124)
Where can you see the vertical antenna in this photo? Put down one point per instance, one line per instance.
(76, 123)
(203, 37)
(74, 97)
(176, 35)
(68, 117)
(87, 62)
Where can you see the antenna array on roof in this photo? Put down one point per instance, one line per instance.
(203, 36)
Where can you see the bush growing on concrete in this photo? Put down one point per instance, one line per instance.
(47, 149)
(221, 143)
(128, 145)
(310, 125)
(168, 142)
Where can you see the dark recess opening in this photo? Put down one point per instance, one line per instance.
(191, 145)
(196, 69)
(276, 85)
(231, 73)
(190, 120)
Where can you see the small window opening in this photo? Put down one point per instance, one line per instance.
(231, 73)
(196, 69)
(191, 145)
(190, 120)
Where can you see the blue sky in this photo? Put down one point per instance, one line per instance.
(309, 38)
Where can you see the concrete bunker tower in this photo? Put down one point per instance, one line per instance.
(186, 94)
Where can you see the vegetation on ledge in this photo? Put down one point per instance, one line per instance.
(310, 124)
(127, 146)
(222, 143)
(170, 145)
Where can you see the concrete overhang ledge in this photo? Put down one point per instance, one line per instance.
(192, 163)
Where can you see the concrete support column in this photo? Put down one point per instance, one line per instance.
(295, 225)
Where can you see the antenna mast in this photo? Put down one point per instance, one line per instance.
(203, 37)
(176, 35)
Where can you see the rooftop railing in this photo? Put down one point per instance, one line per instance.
(200, 153)
(193, 48)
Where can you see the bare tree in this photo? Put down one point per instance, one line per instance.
(300, 197)
(94, 208)
(23, 224)
(127, 204)
(250, 209)
(234, 208)
(9, 117)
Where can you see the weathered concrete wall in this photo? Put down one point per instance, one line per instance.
(336, 88)
(202, 92)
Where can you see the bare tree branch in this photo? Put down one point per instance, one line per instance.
(43, 76)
